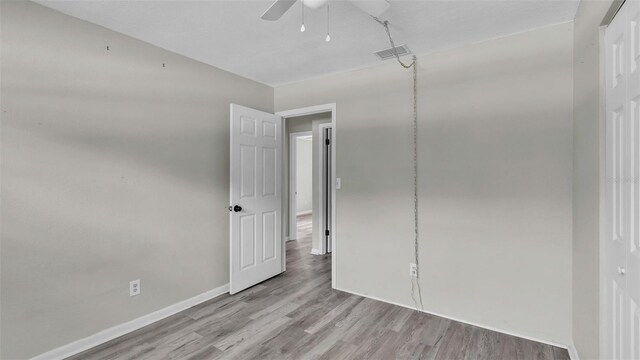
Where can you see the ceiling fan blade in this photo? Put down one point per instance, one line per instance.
(277, 9)
(372, 7)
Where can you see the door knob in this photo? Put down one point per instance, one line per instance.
(621, 270)
(235, 208)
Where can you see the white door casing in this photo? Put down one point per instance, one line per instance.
(325, 181)
(622, 242)
(256, 188)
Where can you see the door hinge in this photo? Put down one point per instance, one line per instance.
(327, 141)
(326, 232)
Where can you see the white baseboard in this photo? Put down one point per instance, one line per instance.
(573, 353)
(307, 212)
(543, 341)
(316, 252)
(89, 342)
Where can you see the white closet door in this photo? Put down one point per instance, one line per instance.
(633, 101)
(622, 245)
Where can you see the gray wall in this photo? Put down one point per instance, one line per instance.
(588, 145)
(495, 180)
(113, 169)
(304, 185)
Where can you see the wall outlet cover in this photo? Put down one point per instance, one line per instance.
(134, 287)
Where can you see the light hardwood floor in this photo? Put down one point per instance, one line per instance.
(297, 315)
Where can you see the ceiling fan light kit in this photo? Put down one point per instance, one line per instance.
(279, 7)
(315, 4)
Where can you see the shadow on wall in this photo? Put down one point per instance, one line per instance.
(461, 159)
(114, 168)
(182, 150)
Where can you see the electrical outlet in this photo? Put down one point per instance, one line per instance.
(338, 183)
(134, 287)
(413, 270)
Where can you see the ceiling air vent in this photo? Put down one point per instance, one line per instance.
(388, 53)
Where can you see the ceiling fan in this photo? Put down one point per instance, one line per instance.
(279, 7)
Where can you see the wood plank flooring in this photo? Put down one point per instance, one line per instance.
(305, 227)
(298, 316)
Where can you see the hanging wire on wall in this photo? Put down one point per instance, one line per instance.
(415, 281)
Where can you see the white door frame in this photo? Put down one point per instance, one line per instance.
(310, 110)
(320, 180)
(293, 207)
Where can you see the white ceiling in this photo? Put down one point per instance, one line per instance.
(230, 34)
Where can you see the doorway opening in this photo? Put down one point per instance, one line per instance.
(259, 206)
(308, 180)
(309, 207)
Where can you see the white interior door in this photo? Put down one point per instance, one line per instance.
(622, 242)
(256, 197)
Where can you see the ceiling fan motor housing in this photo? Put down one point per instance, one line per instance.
(315, 4)
(279, 7)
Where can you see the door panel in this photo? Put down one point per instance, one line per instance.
(269, 245)
(247, 241)
(633, 183)
(618, 328)
(255, 174)
(247, 172)
(635, 329)
(269, 171)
